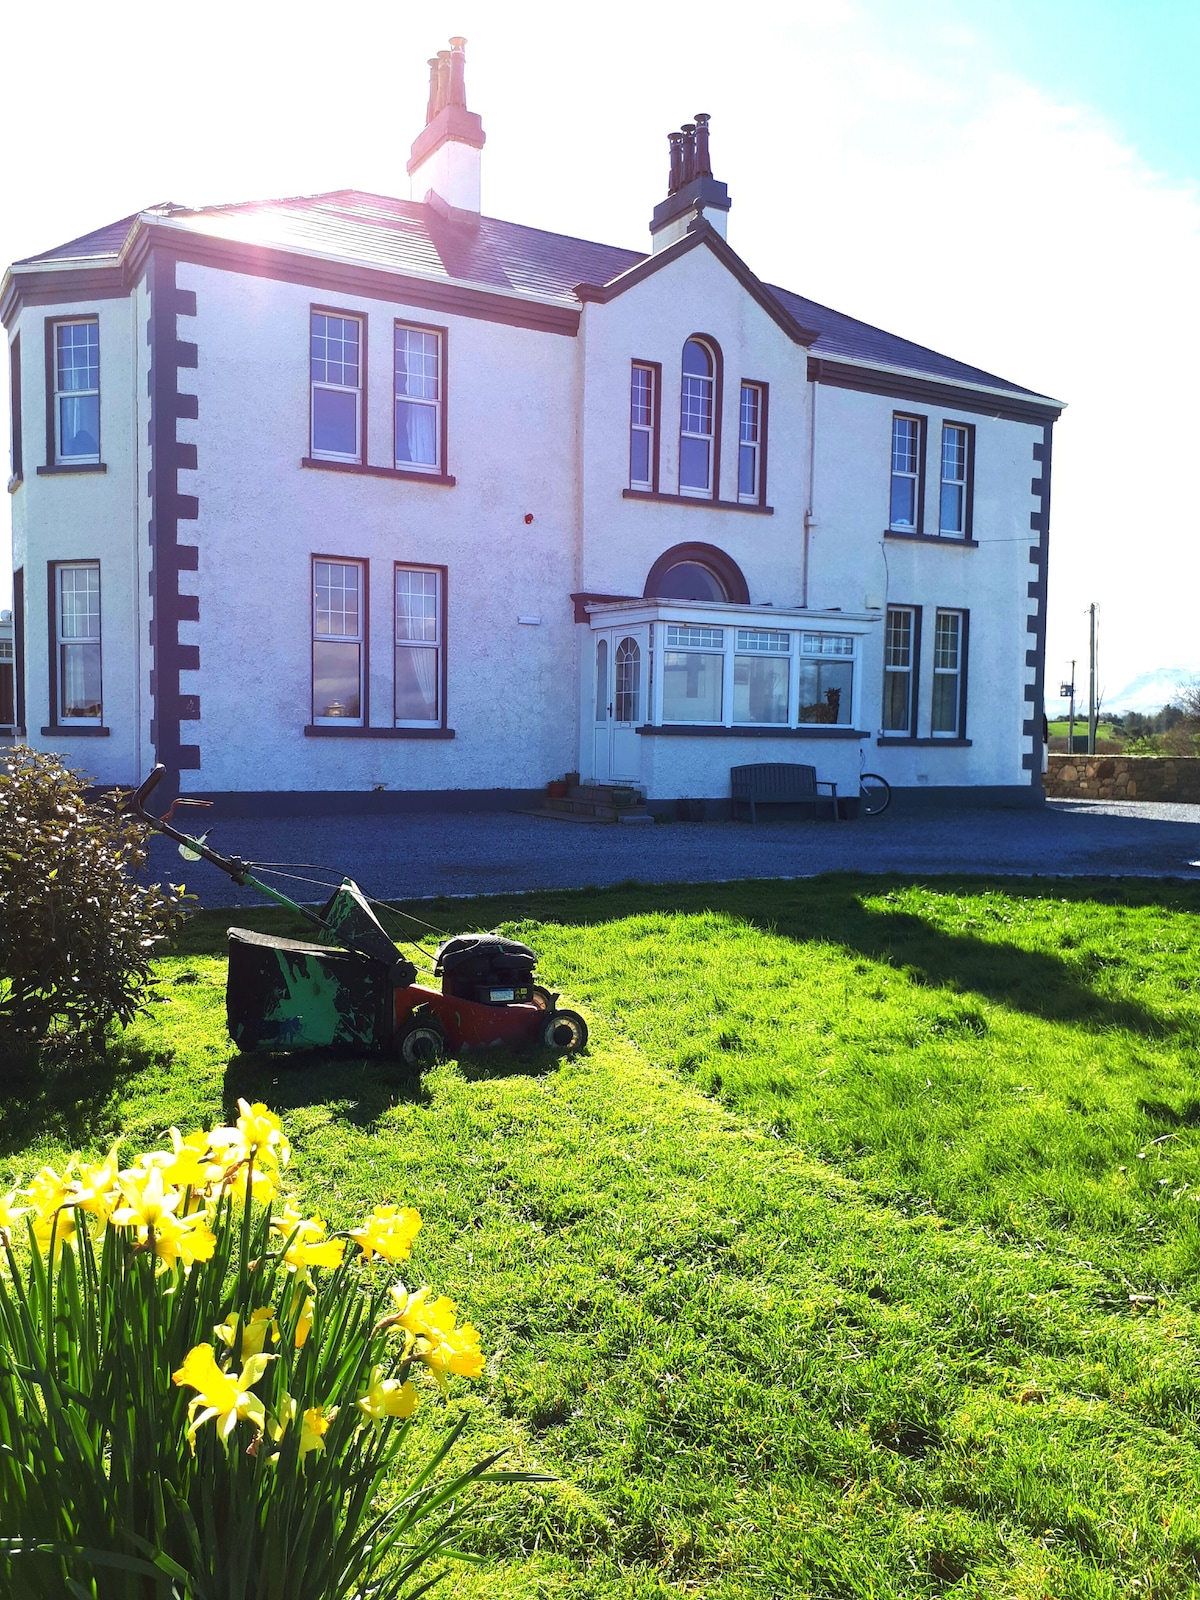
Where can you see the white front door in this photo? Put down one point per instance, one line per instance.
(619, 704)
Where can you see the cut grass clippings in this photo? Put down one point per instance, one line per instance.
(857, 1256)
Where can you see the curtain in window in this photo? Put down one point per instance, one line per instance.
(416, 433)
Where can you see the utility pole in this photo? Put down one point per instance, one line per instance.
(1092, 679)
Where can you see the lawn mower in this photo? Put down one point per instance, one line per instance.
(359, 993)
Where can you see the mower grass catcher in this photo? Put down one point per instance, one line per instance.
(359, 995)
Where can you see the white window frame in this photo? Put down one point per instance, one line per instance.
(432, 647)
(757, 644)
(733, 645)
(317, 385)
(434, 403)
(358, 638)
(63, 641)
(957, 672)
(710, 438)
(750, 440)
(915, 475)
(908, 670)
(61, 458)
(637, 426)
(962, 483)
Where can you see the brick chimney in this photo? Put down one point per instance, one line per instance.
(444, 166)
(692, 191)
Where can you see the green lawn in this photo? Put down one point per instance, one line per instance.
(857, 1257)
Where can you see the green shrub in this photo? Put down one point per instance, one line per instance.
(77, 930)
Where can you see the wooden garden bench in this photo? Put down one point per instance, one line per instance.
(779, 783)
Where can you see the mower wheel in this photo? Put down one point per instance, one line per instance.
(420, 1043)
(564, 1032)
(542, 998)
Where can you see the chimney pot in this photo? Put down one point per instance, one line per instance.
(675, 183)
(432, 108)
(689, 151)
(443, 95)
(703, 160)
(458, 81)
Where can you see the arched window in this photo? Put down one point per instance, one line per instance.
(697, 420)
(696, 572)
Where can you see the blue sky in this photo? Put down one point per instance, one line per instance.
(1013, 183)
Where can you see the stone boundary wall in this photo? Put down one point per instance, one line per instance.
(1101, 777)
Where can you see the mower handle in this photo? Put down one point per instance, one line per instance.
(143, 792)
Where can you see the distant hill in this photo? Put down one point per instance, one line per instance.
(1151, 690)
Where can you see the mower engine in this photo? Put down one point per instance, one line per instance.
(486, 969)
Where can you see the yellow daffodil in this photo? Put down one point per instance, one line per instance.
(48, 1191)
(313, 1426)
(220, 1394)
(94, 1185)
(254, 1332)
(388, 1232)
(308, 1245)
(150, 1209)
(10, 1211)
(188, 1164)
(387, 1397)
(53, 1218)
(258, 1134)
(431, 1334)
(304, 1322)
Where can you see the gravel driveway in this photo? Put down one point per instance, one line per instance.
(478, 853)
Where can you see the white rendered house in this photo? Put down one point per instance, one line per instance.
(356, 501)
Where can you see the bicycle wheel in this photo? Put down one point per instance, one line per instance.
(874, 794)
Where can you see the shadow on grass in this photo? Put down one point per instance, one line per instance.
(360, 1090)
(64, 1100)
(484, 1065)
(832, 910)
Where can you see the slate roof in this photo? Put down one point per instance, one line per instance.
(406, 236)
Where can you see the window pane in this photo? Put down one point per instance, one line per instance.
(416, 433)
(904, 503)
(695, 635)
(416, 684)
(904, 444)
(335, 421)
(747, 469)
(79, 425)
(416, 364)
(696, 359)
(898, 643)
(79, 588)
(945, 702)
(767, 641)
(336, 679)
(896, 687)
(952, 508)
(692, 686)
(334, 347)
(641, 397)
(627, 699)
(639, 456)
(827, 644)
(690, 580)
(760, 689)
(945, 642)
(601, 680)
(825, 691)
(337, 585)
(954, 453)
(749, 414)
(416, 605)
(693, 463)
(696, 412)
(80, 671)
(78, 355)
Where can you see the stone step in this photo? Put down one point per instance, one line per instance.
(571, 809)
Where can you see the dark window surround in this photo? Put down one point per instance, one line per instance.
(968, 489)
(365, 566)
(52, 462)
(14, 392)
(952, 540)
(723, 566)
(365, 471)
(922, 423)
(443, 664)
(764, 407)
(443, 333)
(718, 382)
(914, 687)
(320, 731)
(964, 634)
(655, 424)
(699, 500)
(954, 744)
(64, 730)
(946, 396)
(350, 316)
(87, 729)
(19, 643)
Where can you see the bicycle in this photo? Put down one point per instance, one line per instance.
(874, 792)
